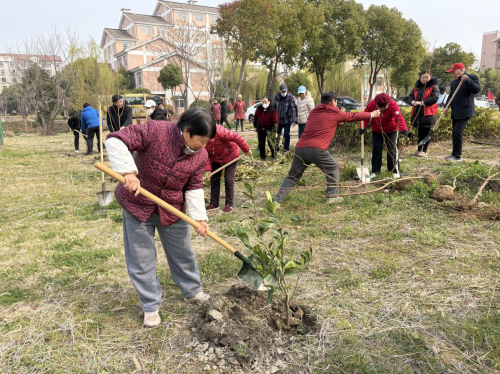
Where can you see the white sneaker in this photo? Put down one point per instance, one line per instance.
(396, 176)
(151, 319)
(372, 175)
(200, 298)
(77, 151)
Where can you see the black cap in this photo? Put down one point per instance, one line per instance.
(159, 102)
(116, 98)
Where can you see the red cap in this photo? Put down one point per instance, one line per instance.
(382, 99)
(456, 66)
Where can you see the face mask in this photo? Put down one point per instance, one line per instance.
(265, 106)
(284, 94)
(187, 150)
(149, 111)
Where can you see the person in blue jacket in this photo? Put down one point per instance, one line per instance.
(90, 126)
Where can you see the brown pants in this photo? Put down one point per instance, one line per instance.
(229, 174)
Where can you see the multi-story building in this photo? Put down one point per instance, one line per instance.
(12, 66)
(490, 51)
(177, 33)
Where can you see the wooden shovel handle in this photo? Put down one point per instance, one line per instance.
(164, 205)
(226, 165)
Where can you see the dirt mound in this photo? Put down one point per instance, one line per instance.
(402, 184)
(443, 193)
(429, 179)
(240, 333)
(8, 134)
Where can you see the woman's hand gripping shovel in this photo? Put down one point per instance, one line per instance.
(247, 273)
(363, 172)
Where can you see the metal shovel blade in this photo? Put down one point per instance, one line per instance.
(250, 276)
(105, 197)
(363, 174)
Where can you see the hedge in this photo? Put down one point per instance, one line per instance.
(483, 125)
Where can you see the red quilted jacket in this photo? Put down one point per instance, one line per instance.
(224, 147)
(164, 169)
(389, 121)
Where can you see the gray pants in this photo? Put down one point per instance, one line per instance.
(302, 158)
(140, 255)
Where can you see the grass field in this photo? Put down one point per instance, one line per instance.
(399, 283)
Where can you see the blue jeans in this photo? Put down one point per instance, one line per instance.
(239, 121)
(286, 127)
(302, 127)
(140, 256)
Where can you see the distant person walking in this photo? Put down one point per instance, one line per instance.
(223, 112)
(442, 97)
(90, 124)
(287, 115)
(424, 98)
(119, 114)
(305, 104)
(462, 106)
(215, 109)
(74, 125)
(239, 112)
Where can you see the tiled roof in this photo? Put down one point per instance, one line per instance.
(190, 7)
(24, 57)
(146, 19)
(119, 34)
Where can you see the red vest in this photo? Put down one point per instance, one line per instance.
(428, 110)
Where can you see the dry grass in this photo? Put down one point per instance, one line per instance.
(398, 283)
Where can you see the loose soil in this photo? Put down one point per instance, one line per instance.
(239, 332)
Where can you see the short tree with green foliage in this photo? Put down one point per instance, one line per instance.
(170, 77)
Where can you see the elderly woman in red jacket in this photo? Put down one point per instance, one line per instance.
(385, 130)
(169, 163)
(224, 148)
(215, 109)
(239, 112)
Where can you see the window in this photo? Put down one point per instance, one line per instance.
(498, 46)
(139, 79)
(11, 63)
(379, 81)
(1, 63)
(179, 101)
(134, 100)
(498, 58)
(214, 19)
(14, 80)
(145, 30)
(13, 71)
(125, 60)
(198, 17)
(4, 80)
(181, 16)
(127, 45)
(2, 72)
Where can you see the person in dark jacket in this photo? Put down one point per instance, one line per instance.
(287, 115)
(119, 114)
(312, 147)
(462, 106)
(223, 112)
(74, 125)
(90, 122)
(424, 99)
(385, 131)
(265, 120)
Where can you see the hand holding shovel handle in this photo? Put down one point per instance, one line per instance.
(225, 166)
(426, 139)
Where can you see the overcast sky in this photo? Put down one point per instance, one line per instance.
(459, 21)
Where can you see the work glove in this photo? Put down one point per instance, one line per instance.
(361, 131)
(410, 135)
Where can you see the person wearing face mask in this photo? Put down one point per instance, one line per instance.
(222, 149)
(119, 114)
(215, 109)
(155, 113)
(424, 99)
(265, 120)
(239, 112)
(287, 115)
(462, 106)
(312, 148)
(385, 130)
(169, 163)
(305, 104)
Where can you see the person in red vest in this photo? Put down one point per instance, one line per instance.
(424, 99)
(385, 130)
(221, 149)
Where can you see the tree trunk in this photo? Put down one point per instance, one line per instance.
(240, 79)
(287, 306)
(273, 81)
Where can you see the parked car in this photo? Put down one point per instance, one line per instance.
(481, 104)
(348, 103)
(251, 111)
(402, 103)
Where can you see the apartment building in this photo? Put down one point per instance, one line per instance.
(12, 66)
(490, 51)
(175, 32)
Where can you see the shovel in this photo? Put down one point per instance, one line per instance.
(85, 136)
(226, 165)
(424, 140)
(247, 273)
(104, 197)
(363, 172)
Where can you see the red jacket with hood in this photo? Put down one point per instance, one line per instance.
(389, 121)
(225, 147)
